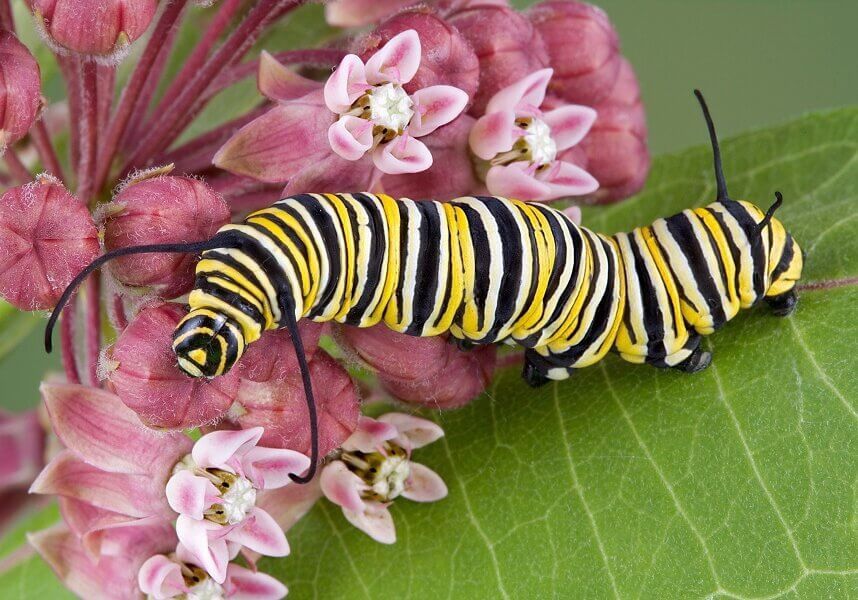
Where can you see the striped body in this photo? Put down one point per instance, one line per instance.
(486, 270)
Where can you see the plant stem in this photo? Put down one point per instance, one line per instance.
(131, 93)
(93, 327)
(106, 83)
(197, 58)
(117, 312)
(7, 17)
(67, 327)
(88, 129)
(70, 74)
(16, 167)
(196, 154)
(42, 141)
(166, 122)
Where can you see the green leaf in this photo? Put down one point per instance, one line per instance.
(627, 481)
(14, 327)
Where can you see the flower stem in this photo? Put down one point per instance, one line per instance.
(168, 120)
(67, 327)
(106, 82)
(71, 75)
(16, 167)
(197, 58)
(117, 313)
(93, 327)
(131, 93)
(88, 128)
(42, 141)
(7, 18)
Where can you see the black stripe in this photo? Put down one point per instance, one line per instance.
(758, 258)
(377, 265)
(428, 260)
(786, 258)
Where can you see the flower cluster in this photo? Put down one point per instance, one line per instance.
(445, 99)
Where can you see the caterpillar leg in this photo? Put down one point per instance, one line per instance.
(463, 345)
(783, 304)
(539, 370)
(697, 361)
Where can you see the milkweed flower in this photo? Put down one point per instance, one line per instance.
(214, 490)
(521, 143)
(376, 114)
(375, 468)
(176, 575)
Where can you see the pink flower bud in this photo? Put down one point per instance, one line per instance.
(145, 376)
(158, 211)
(583, 47)
(425, 371)
(451, 173)
(446, 59)
(507, 45)
(271, 393)
(20, 86)
(617, 153)
(22, 449)
(357, 13)
(46, 238)
(98, 27)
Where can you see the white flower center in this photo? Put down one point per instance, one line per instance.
(207, 589)
(543, 149)
(391, 106)
(238, 500)
(391, 477)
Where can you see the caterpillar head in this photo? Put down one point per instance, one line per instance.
(785, 262)
(207, 343)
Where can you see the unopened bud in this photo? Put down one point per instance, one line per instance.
(508, 47)
(429, 372)
(583, 48)
(144, 374)
(103, 28)
(20, 85)
(46, 238)
(617, 152)
(161, 210)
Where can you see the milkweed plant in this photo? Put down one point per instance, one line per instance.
(170, 486)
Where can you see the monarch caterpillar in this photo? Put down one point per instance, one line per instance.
(484, 269)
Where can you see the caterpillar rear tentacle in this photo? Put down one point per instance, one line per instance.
(485, 270)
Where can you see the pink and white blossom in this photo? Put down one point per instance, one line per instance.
(176, 575)
(375, 113)
(214, 490)
(521, 143)
(375, 468)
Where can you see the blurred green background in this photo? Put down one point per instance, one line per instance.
(759, 62)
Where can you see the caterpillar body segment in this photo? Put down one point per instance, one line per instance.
(487, 270)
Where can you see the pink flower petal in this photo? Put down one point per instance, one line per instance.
(569, 124)
(396, 61)
(278, 145)
(424, 485)
(375, 521)
(22, 449)
(269, 468)
(419, 432)
(528, 92)
(350, 137)
(161, 578)
(492, 134)
(514, 181)
(566, 179)
(280, 83)
(403, 155)
(357, 13)
(346, 84)
(244, 584)
(215, 449)
(133, 495)
(342, 487)
(211, 554)
(190, 495)
(370, 434)
(106, 433)
(260, 533)
(435, 106)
